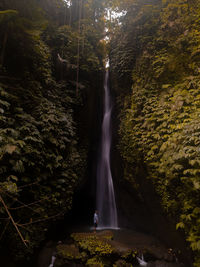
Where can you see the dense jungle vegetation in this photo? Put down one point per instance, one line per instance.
(52, 55)
(155, 60)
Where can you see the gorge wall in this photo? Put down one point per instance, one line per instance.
(48, 102)
(155, 69)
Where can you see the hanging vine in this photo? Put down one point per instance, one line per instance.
(78, 46)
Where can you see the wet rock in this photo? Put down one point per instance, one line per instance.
(156, 253)
(102, 249)
(164, 264)
(122, 263)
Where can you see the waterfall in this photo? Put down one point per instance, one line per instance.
(106, 205)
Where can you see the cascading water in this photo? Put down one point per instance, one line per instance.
(106, 204)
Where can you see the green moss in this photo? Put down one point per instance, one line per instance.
(95, 262)
(122, 263)
(93, 243)
(129, 255)
(70, 252)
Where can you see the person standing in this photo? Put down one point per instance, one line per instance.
(96, 220)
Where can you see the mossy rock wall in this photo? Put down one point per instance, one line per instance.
(159, 113)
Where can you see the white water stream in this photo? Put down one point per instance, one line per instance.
(53, 258)
(141, 261)
(106, 204)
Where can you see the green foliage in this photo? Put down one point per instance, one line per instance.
(5, 14)
(100, 250)
(42, 158)
(97, 249)
(89, 249)
(94, 262)
(40, 149)
(70, 252)
(95, 245)
(160, 118)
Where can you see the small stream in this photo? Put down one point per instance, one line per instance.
(53, 258)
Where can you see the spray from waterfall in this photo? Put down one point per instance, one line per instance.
(106, 204)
